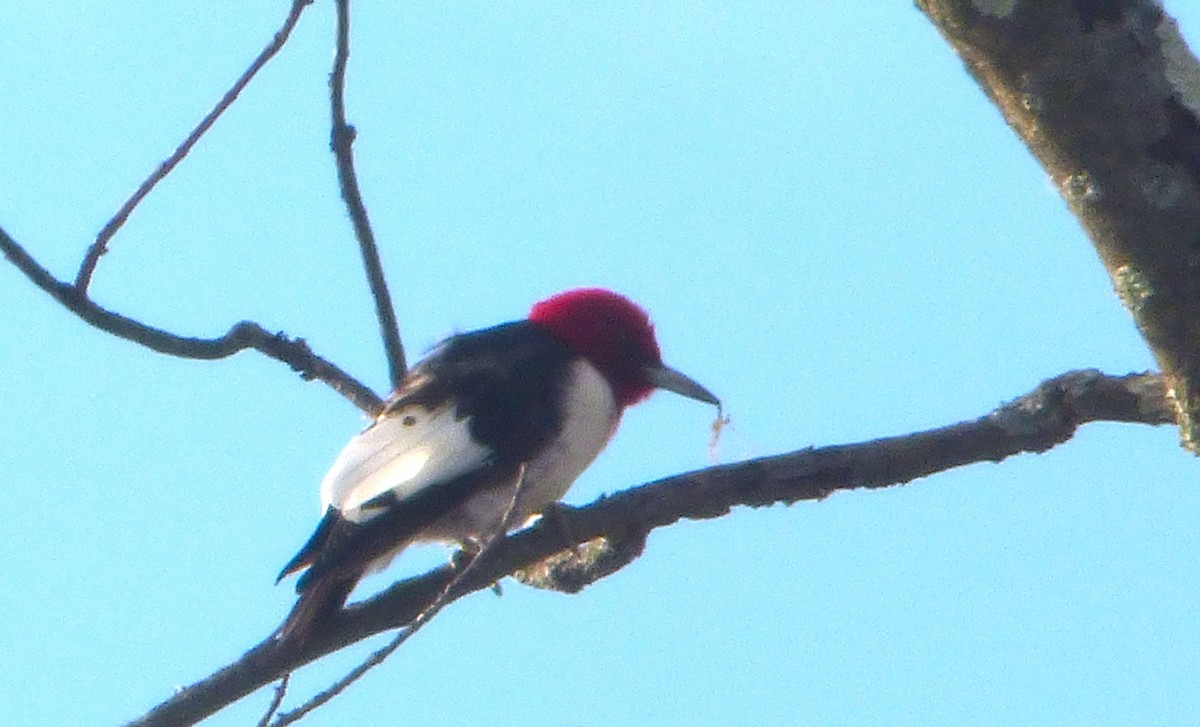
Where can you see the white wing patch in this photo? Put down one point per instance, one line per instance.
(410, 449)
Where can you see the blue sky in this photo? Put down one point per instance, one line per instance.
(833, 230)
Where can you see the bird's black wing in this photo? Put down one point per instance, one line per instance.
(505, 384)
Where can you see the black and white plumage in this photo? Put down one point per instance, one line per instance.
(533, 401)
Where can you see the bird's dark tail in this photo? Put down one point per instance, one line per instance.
(319, 601)
(323, 590)
(338, 553)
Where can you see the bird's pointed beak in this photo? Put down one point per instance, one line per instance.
(664, 377)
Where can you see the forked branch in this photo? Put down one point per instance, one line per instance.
(84, 277)
(294, 352)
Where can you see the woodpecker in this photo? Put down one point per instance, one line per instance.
(520, 408)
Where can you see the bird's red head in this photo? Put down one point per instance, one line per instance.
(610, 331)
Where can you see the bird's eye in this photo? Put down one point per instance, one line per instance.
(409, 420)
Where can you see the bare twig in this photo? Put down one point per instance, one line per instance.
(1036, 422)
(292, 351)
(84, 277)
(276, 700)
(425, 616)
(341, 142)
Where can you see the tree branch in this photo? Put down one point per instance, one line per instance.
(1107, 97)
(294, 352)
(341, 142)
(443, 599)
(84, 277)
(276, 700)
(1036, 422)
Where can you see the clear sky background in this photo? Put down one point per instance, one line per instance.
(833, 229)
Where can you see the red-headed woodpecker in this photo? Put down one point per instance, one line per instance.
(523, 407)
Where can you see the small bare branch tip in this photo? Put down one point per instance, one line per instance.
(276, 700)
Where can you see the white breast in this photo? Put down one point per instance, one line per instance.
(590, 417)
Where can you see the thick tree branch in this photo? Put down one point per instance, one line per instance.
(1035, 422)
(341, 142)
(1107, 97)
(84, 277)
(292, 351)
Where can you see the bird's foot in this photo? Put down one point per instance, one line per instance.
(557, 517)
